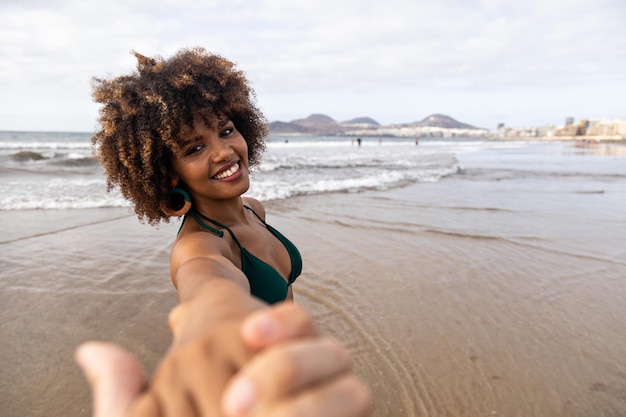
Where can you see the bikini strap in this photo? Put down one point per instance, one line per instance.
(212, 229)
(199, 217)
(254, 212)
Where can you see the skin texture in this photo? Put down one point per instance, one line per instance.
(190, 120)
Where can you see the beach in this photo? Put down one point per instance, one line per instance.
(498, 290)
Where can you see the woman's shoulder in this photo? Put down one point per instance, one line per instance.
(255, 205)
(193, 243)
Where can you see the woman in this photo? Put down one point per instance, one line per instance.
(178, 138)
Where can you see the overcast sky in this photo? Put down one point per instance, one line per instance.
(521, 63)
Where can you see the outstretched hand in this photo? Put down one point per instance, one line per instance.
(294, 369)
(297, 372)
(115, 376)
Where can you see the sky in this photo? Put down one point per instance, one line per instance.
(485, 62)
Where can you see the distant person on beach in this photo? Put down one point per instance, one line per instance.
(417, 141)
(358, 141)
(178, 137)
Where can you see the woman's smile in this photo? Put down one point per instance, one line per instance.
(229, 173)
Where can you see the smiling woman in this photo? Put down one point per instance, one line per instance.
(179, 137)
(155, 111)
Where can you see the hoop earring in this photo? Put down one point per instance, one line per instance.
(179, 199)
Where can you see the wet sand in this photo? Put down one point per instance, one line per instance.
(73, 281)
(448, 317)
(464, 297)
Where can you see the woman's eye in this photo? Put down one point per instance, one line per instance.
(227, 131)
(193, 149)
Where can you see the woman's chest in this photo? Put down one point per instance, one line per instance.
(262, 244)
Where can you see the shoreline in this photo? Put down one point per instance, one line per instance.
(617, 140)
(448, 312)
(449, 294)
(609, 140)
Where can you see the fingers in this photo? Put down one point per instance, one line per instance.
(115, 376)
(278, 323)
(307, 376)
(191, 378)
(344, 397)
(281, 372)
(192, 384)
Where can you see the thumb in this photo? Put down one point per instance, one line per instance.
(114, 374)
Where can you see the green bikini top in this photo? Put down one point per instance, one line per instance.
(265, 282)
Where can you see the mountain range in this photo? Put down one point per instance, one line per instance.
(321, 124)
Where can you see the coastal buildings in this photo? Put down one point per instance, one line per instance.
(585, 129)
(608, 128)
(441, 126)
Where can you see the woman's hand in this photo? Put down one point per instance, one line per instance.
(293, 370)
(297, 373)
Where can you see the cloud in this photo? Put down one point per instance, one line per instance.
(352, 54)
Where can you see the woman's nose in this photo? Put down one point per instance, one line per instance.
(222, 151)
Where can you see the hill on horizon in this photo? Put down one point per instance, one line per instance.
(361, 120)
(442, 121)
(316, 120)
(321, 124)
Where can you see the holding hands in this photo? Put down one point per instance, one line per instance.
(273, 363)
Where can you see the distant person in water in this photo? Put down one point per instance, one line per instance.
(179, 137)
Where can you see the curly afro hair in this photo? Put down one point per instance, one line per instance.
(146, 115)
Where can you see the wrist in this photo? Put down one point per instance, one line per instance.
(216, 302)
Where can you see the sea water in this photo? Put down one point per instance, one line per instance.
(40, 170)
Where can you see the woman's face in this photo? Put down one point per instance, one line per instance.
(213, 162)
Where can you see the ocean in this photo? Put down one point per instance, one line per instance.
(41, 170)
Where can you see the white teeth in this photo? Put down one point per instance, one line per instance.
(227, 173)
